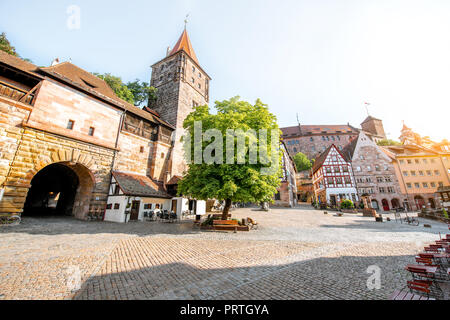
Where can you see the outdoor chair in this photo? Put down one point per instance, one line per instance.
(253, 225)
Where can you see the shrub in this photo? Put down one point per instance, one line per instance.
(444, 212)
(347, 204)
(361, 205)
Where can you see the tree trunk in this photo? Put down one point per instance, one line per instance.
(226, 209)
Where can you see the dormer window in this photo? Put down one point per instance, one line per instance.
(91, 131)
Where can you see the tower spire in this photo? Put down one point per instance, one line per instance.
(184, 44)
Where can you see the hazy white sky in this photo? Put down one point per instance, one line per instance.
(320, 59)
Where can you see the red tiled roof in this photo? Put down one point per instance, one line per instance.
(138, 185)
(82, 80)
(184, 44)
(19, 64)
(174, 180)
(316, 129)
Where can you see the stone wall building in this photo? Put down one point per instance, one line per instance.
(420, 171)
(67, 141)
(374, 173)
(312, 140)
(62, 132)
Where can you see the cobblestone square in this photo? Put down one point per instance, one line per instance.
(295, 254)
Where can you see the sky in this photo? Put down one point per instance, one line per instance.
(320, 59)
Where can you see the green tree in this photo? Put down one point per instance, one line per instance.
(231, 182)
(142, 92)
(6, 46)
(302, 162)
(388, 142)
(120, 89)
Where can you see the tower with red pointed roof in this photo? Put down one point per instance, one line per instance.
(182, 84)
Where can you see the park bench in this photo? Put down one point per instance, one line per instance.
(226, 225)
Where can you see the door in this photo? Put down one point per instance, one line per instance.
(174, 206)
(333, 200)
(135, 210)
(385, 204)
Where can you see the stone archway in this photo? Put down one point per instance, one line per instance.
(395, 203)
(19, 181)
(61, 188)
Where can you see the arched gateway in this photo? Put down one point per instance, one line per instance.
(61, 188)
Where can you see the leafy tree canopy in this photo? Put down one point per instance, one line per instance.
(302, 162)
(119, 88)
(134, 92)
(388, 142)
(6, 46)
(231, 182)
(142, 92)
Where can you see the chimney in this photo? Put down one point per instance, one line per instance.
(55, 62)
(168, 51)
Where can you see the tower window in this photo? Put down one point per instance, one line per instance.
(193, 80)
(70, 124)
(193, 69)
(91, 131)
(199, 86)
(141, 149)
(162, 154)
(199, 75)
(194, 104)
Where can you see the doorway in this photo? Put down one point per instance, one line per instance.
(385, 205)
(134, 214)
(53, 191)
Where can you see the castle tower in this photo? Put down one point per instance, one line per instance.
(374, 126)
(182, 84)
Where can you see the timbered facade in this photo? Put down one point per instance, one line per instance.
(333, 178)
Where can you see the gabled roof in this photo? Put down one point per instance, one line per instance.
(349, 149)
(80, 79)
(321, 159)
(184, 43)
(138, 185)
(174, 180)
(19, 64)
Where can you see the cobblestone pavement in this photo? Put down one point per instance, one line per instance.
(295, 254)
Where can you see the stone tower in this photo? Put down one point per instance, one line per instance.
(182, 84)
(374, 126)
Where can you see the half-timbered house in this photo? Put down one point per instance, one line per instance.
(333, 178)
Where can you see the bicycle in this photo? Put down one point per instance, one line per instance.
(10, 220)
(411, 220)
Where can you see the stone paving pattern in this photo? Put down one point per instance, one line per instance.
(295, 254)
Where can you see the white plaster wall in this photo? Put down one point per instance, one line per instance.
(116, 215)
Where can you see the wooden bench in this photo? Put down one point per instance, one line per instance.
(226, 225)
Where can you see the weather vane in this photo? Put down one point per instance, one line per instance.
(186, 20)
